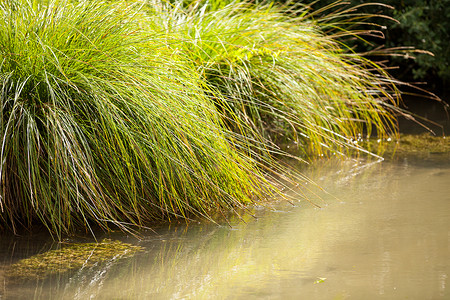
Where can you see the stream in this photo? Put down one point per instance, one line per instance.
(382, 232)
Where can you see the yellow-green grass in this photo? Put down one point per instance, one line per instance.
(123, 113)
(102, 123)
(282, 78)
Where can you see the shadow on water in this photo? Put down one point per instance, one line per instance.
(426, 109)
(385, 236)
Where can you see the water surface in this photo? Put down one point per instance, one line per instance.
(384, 234)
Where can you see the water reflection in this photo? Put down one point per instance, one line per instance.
(386, 235)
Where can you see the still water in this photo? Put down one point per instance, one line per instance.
(383, 234)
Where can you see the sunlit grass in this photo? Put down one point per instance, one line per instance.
(282, 77)
(101, 123)
(122, 113)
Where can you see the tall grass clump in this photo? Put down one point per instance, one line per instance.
(121, 113)
(102, 123)
(283, 78)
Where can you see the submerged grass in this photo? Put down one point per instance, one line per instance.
(67, 258)
(121, 113)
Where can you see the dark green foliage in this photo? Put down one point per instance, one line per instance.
(422, 25)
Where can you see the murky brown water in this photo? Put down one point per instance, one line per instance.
(386, 237)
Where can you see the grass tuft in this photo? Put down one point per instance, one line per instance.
(122, 113)
(282, 78)
(102, 123)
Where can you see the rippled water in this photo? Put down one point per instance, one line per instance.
(384, 234)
